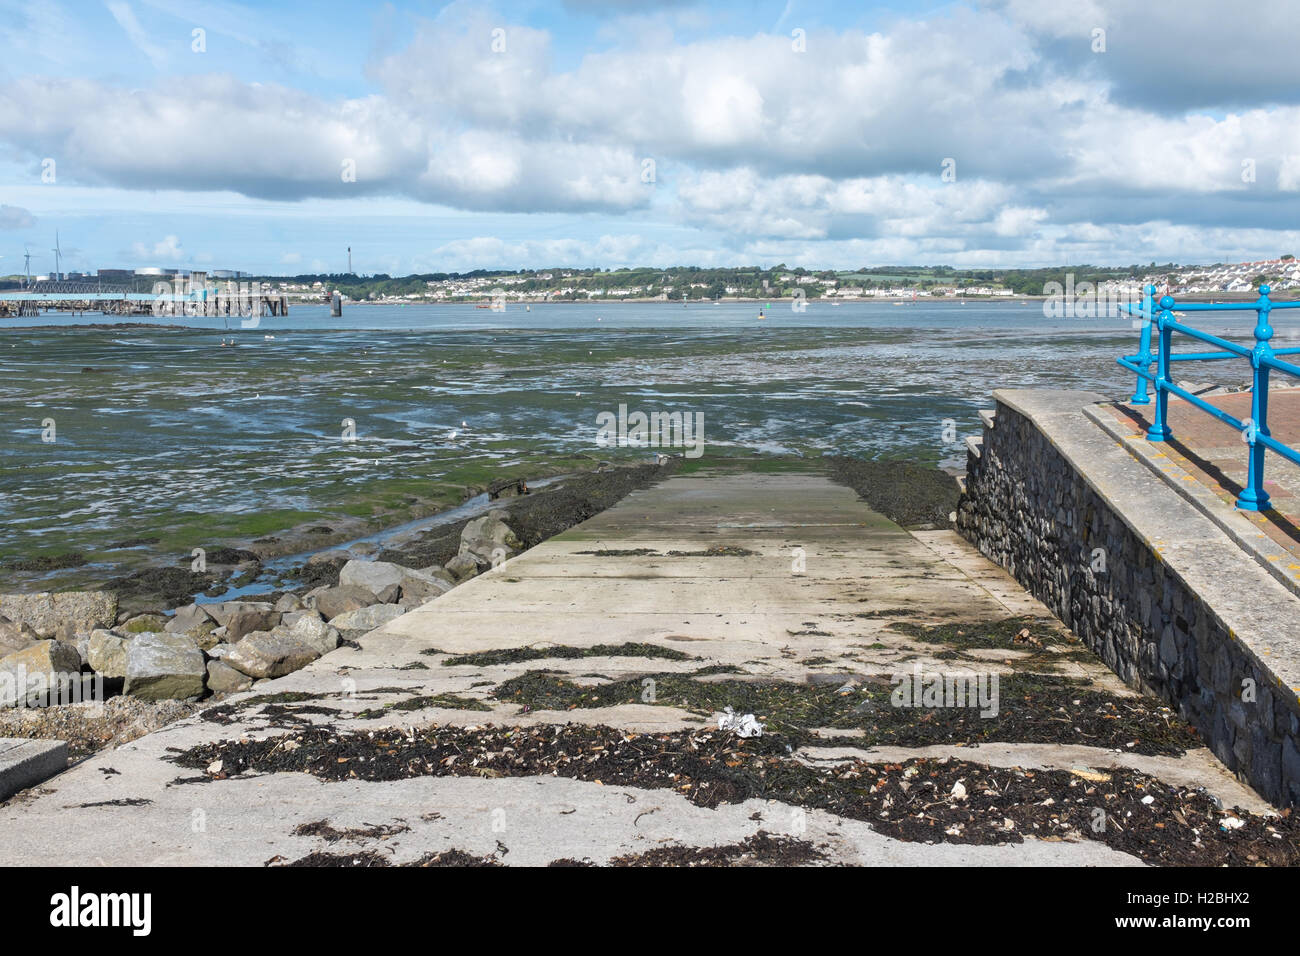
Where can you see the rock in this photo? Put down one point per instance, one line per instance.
(29, 673)
(162, 666)
(290, 618)
(421, 586)
(315, 633)
(61, 613)
(389, 595)
(82, 644)
(289, 602)
(219, 652)
(374, 576)
(222, 613)
(106, 653)
(263, 654)
(247, 620)
(381, 575)
(489, 539)
(204, 635)
(15, 636)
(367, 618)
(144, 622)
(327, 557)
(187, 617)
(224, 679)
(346, 597)
(462, 567)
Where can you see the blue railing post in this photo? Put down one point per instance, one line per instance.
(1159, 430)
(1253, 497)
(1145, 358)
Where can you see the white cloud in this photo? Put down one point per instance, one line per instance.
(1056, 148)
(15, 217)
(167, 249)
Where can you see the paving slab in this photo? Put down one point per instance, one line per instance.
(25, 763)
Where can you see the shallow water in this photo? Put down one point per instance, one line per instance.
(167, 432)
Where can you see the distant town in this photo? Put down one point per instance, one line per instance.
(707, 284)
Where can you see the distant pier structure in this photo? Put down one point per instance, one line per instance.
(194, 294)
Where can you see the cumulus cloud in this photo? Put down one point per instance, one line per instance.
(16, 217)
(1054, 144)
(168, 249)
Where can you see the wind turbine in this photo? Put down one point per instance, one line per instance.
(57, 276)
(27, 262)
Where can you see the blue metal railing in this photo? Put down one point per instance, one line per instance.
(1263, 359)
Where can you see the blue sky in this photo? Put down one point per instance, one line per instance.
(521, 135)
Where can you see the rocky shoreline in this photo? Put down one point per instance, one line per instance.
(99, 668)
(141, 652)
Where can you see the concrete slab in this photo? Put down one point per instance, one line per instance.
(25, 763)
(758, 616)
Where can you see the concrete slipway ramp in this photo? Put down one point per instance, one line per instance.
(737, 577)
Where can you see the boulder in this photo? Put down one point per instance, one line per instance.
(374, 576)
(346, 597)
(142, 623)
(315, 633)
(489, 537)
(289, 602)
(366, 619)
(382, 576)
(263, 654)
(462, 567)
(204, 635)
(186, 618)
(106, 653)
(246, 620)
(28, 674)
(15, 636)
(290, 618)
(224, 679)
(222, 613)
(421, 586)
(162, 666)
(61, 613)
(82, 643)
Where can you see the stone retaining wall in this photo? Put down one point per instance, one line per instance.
(1028, 508)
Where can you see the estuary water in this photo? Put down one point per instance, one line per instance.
(213, 431)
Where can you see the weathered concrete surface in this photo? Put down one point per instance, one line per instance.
(24, 763)
(750, 610)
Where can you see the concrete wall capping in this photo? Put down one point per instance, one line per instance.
(1178, 608)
